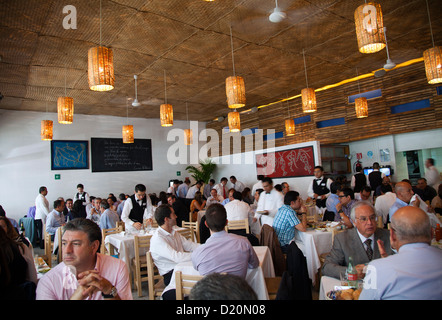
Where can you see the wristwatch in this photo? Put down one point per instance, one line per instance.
(112, 294)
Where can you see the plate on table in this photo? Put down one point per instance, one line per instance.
(344, 294)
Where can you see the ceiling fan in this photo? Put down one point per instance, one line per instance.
(277, 15)
(389, 63)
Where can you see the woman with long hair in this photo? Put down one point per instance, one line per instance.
(196, 205)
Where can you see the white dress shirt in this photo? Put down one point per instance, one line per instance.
(310, 191)
(212, 200)
(237, 210)
(41, 208)
(433, 177)
(86, 196)
(148, 212)
(169, 249)
(238, 186)
(219, 189)
(191, 192)
(383, 204)
(271, 202)
(257, 186)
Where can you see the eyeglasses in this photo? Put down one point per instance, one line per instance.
(342, 196)
(365, 219)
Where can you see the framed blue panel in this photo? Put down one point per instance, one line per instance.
(369, 95)
(416, 105)
(439, 90)
(276, 135)
(303, 119)
(330, 123)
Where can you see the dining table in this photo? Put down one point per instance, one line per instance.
(313, 243)
(255, 277)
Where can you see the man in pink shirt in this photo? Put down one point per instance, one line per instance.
(84, 273)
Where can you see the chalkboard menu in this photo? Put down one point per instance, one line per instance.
(110, 154)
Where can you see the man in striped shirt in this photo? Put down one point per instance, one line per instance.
(286, 219)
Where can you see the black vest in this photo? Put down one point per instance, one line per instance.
(375, 178)
(360, 182)
(137, 212)
(82, 197)
(321, 188)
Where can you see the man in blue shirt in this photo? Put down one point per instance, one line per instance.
(404, 193)
(413, 273)
(55, 218)
(332, 201)
(286, 219)
(108, 218)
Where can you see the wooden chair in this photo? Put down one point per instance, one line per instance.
(238, 225)
(139, 263)
(184, 283)
(104, 234)
(186, 233)
(194, 227)
(48, 247)
(272, 285)
(155, 281)
(59, 253)
(121, 225)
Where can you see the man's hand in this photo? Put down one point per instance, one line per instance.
(381, 247)
(360, 270)
(416, 203)
(93, 282)
(137, 225)
(79, 293)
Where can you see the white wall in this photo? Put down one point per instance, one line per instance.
(25, 160)
(247, 174)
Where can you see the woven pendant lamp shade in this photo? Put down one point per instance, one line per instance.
(369, 28)
(166, 115)
(46, 130)
(188, 137)
(361, 107)
(128, 134)
(289, 127)
(433, 64)
(65, 109)
(236, 92)
(308, 100)
(101, 69)
(234, 121)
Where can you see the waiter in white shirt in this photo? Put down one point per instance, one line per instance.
(319, 188)
(269, 202)
(41, 212)
(193, 189)
(432, 175)
(237, 185)
(137, 208)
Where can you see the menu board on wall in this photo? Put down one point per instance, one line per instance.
(298, 162)
(111, 154)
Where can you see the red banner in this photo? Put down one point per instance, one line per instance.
(297, 162)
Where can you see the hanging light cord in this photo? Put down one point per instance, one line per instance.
(165, 90)
(100, 23)
(231, 45)
(357, 75)
(431, 29)
(305, 68)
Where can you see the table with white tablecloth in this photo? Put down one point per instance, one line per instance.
(255, 277)
(313, 243)
(327, 284)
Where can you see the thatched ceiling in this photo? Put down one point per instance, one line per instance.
(190, 41)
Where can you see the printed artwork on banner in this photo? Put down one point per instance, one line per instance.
(297, 162)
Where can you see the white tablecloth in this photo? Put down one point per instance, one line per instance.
(327, 284)
(255, 277)
(123, 244)
(312, 244)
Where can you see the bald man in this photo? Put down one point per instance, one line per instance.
(414, 273)
(404, 194)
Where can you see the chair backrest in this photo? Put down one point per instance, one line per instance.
(105, 233)
(120, 225)
(59, 253)
(154, 278)
(184, 283)
(186, 233)
(238, 225)
(141, 242)
(48, 246)
(194, 227)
